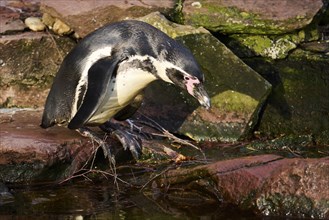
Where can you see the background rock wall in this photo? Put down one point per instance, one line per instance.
(286, 43)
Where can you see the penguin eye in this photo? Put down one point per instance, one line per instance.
(174, 74)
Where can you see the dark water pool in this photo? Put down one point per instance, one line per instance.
(85, 200)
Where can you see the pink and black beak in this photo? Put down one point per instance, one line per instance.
(192, 84)
(195, 88)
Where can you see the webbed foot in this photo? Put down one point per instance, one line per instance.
(128, 140)
(105, 147)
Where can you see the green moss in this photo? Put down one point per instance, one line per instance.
(266, 46)
(291, 205)
(216, 17)
(178, 16)
(234, 101)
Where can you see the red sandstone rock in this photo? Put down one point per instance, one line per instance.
(24, 141)
(85, 16)
(266, 184)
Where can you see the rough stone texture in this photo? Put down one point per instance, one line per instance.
(13, 13)
(90, 15)
(299, 101)
(267, 184)
(27, 151)
(264, 184)
(237, 92)
(274, 47)
(299, 187)
(34, 24)
(25, 79)
(9, 21)
(255, 17)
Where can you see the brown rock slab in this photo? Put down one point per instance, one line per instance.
(85, 16)
(9, 21)
(27, 150)
(265, 184)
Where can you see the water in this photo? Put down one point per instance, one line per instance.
(101, 200)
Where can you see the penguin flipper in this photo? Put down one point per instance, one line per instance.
(99, 75)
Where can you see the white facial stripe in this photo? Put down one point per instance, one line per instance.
(88, 62)
(160, 66)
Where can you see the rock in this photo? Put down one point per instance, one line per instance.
(266, 184)
(28, 151)
(266, 47)
(35, 24)
(300, 188)
(299, 103)
(25, 79)
(61, 28)
(317, 46)
(9, 21)
(270, 46)
(48, 20)
(237, 92)
(90, 15)
(252, 17)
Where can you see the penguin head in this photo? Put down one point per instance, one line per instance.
(182, 69)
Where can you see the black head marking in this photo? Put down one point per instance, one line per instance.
(143, 64)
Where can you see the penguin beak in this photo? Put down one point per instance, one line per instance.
(201, 95)
(196, 89)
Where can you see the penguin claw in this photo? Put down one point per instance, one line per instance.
(129, 142)
(132, 126)
(106, 149)
(107, 154)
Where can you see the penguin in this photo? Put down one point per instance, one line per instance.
(105, 73)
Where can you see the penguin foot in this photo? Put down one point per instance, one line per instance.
(106, 149)
(133, 126)
(129, 142)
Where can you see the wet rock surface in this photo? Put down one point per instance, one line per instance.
(257, 177)
(299, 101)
(266, 184)
(27, 150)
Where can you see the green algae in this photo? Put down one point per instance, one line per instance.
(298, 102)
(232, 20)
(33, 68)
(275, 46)
(234, 101)
(292, 205)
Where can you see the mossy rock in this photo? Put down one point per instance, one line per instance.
(299, 101)
(237, 92)
(30, 62)
(271, 46)
(272, 17)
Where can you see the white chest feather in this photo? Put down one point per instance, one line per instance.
(130, 82)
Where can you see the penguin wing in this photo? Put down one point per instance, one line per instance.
(99, 76)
